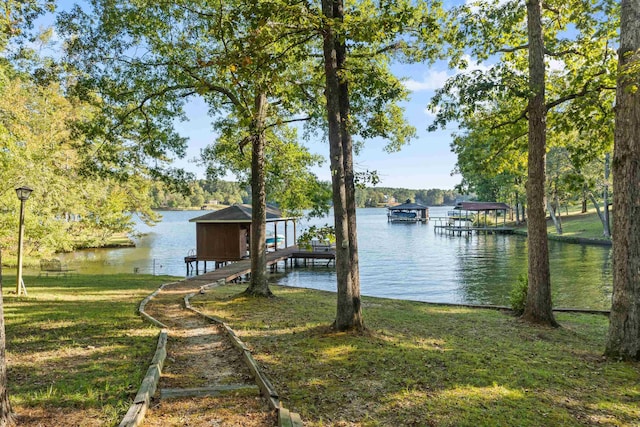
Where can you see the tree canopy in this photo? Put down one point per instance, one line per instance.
(488, 99)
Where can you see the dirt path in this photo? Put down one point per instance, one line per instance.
(204, 381)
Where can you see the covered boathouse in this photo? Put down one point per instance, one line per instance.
(408, 212)
(481, 217)
(224, 235)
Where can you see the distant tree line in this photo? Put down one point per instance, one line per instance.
(380, 196)
(212, 193)
(201, 193)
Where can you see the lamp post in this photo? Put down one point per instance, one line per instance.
(23, 194)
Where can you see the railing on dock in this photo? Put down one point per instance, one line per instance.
(325, 254)
(461, 225)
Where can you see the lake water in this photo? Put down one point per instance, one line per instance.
(406, 261)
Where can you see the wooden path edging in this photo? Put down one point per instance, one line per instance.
(138, 409)
(144, 302)
(140, 405)
(286, 418)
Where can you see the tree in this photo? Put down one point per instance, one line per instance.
(361, 100)
(623, 339)
(538, 308)
(245, 59)
(72, 206)
(516, 89)
(6, 414)
(348, 313)
(17, 17)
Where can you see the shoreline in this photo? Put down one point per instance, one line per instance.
(569, 239)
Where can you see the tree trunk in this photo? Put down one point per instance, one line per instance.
(6, 414)
(584, 198)
(558, 208)
(606, 223)
(597, 206)
(538, 304)
(623, 339)
(259, 284)
(511, 212)
(602, 214)
(554, 218)
(349, 308)
(336, 153)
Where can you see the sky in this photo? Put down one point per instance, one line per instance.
(426, 162)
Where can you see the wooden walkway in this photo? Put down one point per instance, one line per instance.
(205, 380)
(238, 269)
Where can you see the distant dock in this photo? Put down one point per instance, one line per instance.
(474, 217)
(461, 227)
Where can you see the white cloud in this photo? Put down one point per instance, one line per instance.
(555, 65)
(431, 112)
(435, 79)
(430, 81)
(473, 66)
(476, 5)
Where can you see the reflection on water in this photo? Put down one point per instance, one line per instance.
(408, 261)
(411, 261)
(159, 249)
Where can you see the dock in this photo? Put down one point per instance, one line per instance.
(233, 270)
(461, 226)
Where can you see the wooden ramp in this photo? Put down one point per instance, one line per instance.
(240, 268)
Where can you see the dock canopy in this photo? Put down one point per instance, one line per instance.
(482, 206)
(487, 207)
(408, 212)
(224, 235)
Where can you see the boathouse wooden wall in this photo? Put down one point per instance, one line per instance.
(221, 242)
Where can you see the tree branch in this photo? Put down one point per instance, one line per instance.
(141, 104)
(291, 46)
(546, 6)
(215, 88)
(505, 145)
(546, 51)
(196, 12)
(522, 115)
(284, 122)
(563, 52)
(585, 90)
(513, 49)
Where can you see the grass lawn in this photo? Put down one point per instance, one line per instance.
(421, 365)
(577, 224)
(76, 348)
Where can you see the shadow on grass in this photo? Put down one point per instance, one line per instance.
(78, 341)
(423, 364)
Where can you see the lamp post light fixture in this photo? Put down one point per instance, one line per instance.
(23, 194)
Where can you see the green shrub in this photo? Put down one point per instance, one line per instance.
(480, 220)
(518, 295)
(322, 234)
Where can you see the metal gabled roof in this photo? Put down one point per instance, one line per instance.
(408, 206)
(237, 213)
(482, 206)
